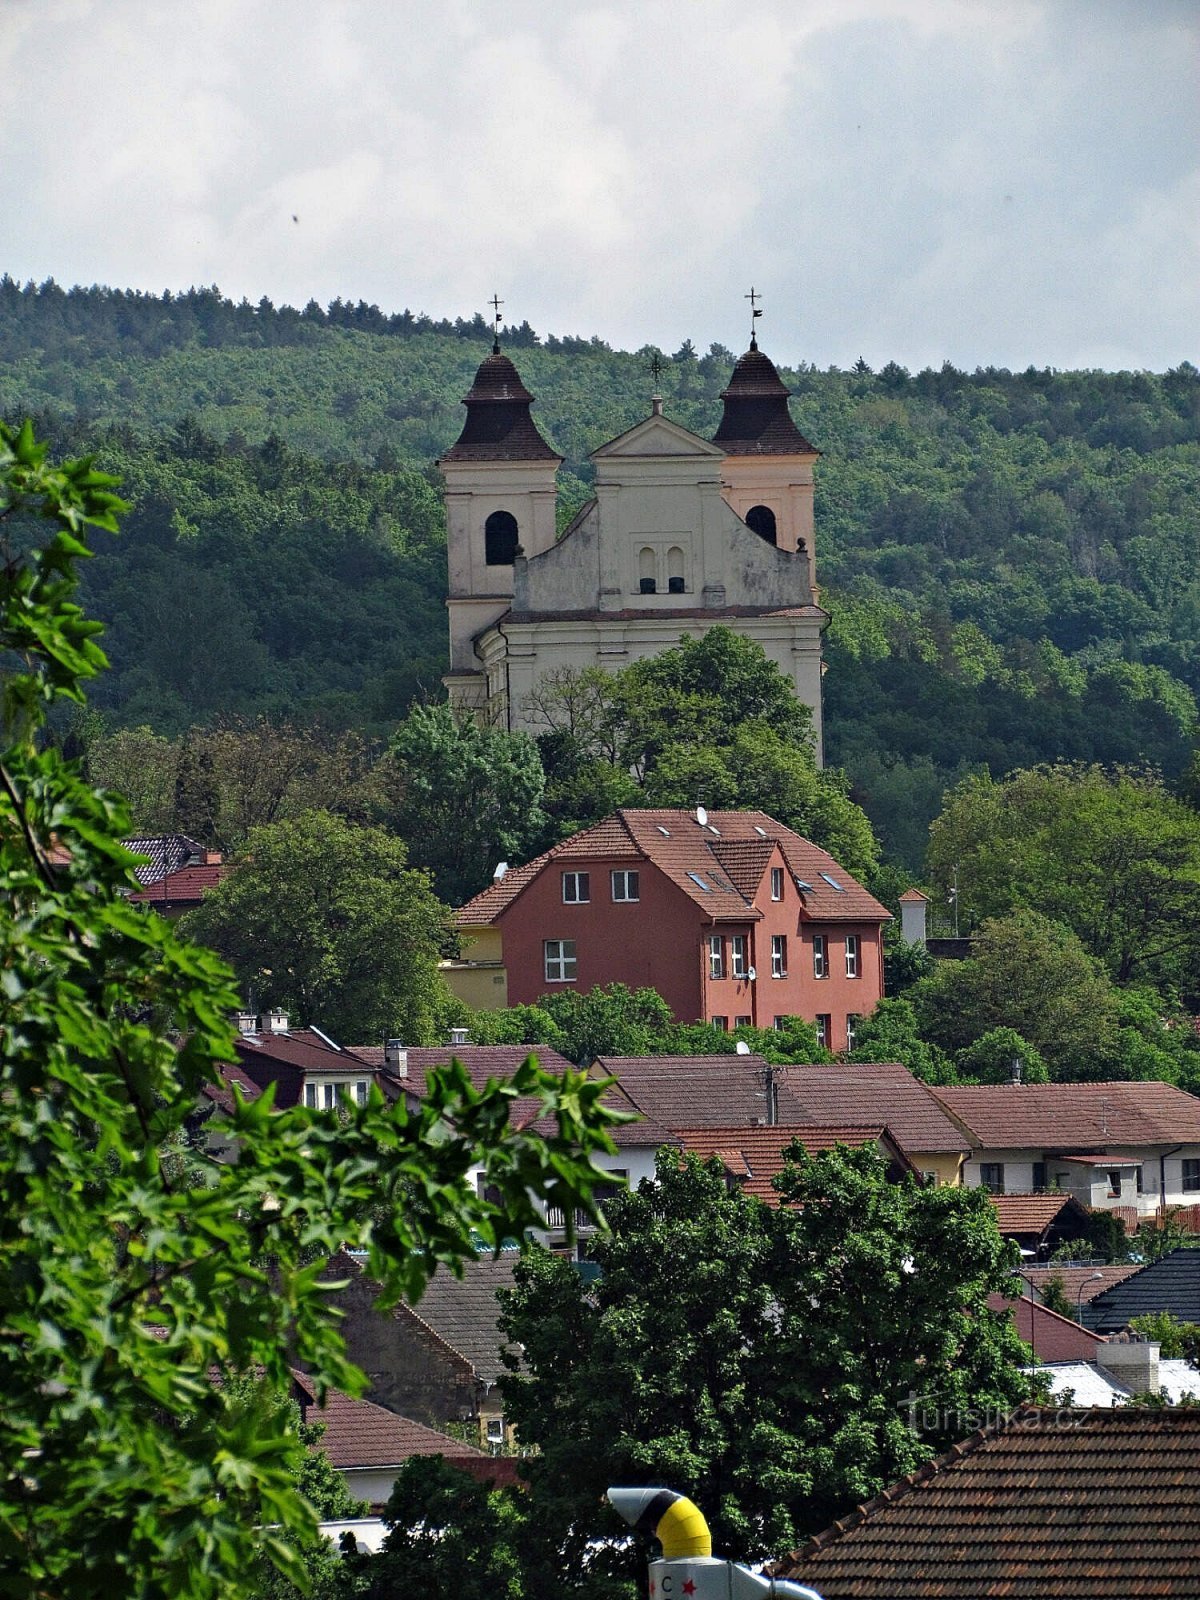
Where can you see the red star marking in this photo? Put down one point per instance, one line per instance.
(689, 1587)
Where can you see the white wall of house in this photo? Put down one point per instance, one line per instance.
(1091, 1185)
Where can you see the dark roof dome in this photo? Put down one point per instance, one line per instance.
(756, 419)
(499, 426)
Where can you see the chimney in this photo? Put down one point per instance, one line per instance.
(245, 1021)
(1132, 1361)
(913, 906)
(395, 1058)
(1014, 1070)
(460, 1035)
(275, 1021)
(212, 858)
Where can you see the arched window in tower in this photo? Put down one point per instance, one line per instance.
(500, 539)
(761, 520)
(647, 571)
(675, 583)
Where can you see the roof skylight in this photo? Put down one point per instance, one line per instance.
(833, 883)
(697, 879)
(666, 832)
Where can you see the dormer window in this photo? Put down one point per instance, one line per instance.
(500, 539)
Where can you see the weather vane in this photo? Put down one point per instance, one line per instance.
(495, 302)
(657, 367)
(755, 312)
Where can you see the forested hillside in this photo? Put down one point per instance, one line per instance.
(1009, 559)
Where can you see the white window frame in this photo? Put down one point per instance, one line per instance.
(721, 1024)
(494, 1430)
(820, 955)
(779, 955)
(776, 883)
(742, 1022)
(823, 1023)
(1189, 1182)
(853, 951)
(557, 956)
(310, 1096)
(716, 955)
(361, 1090)
(853, 1018)
(738, 965)
(580, 886)
(995, 1183)
(626, 887)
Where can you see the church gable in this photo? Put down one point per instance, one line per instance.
(657, 436)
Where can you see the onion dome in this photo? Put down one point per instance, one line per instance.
(499, 426)
(756, 419)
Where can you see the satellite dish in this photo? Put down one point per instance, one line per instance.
(743, 1049)
(501, 869)
(702, 816)
(752, 975)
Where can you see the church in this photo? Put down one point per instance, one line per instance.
(683, 533)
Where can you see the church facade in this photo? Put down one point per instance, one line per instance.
(683, 534)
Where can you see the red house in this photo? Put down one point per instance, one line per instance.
(730, 916)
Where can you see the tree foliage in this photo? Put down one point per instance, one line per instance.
(1111, 855)
(126, 1284)
(469, 797)
(328, 921)
(776, 1365)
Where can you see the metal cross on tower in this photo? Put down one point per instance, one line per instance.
(755, 312)
(495, 302)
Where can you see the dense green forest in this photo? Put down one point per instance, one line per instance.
(1009, 560)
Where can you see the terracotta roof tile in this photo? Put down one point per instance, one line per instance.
(1080, 1284)
(1074, 1116)
(755, 1155)
(722, 855)
(1097, 1505)
(185, 886)
(359, 1433)
(1033, 1213)
(1051, 1337)
(856, 1092)
(726, 1091)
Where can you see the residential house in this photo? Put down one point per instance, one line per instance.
(367, 1444)
(1170, 1284)
(304, 1065)
(1127, 1147)
(1124, 1365)
(733, 918)
(732, 1091)
(1078, 1282)
(439, 1361)
(1050, 1337)
(637, 1142)
(182, 890)
(1102, 1503)
(165, 853)
(752, 1157)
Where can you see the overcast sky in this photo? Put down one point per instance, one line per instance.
(989, 181)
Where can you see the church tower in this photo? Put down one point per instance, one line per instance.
(500, 503)
(767, 474)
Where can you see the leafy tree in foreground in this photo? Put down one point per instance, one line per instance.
(122, 1288)
(777, 1365)
(327, 920)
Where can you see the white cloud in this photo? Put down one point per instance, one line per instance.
(990, 180)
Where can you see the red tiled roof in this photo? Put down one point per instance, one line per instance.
(1093, 1505)
(755, 1155)
(1049, 1336)
(222, 1093)
(1073, 1116)
(1080, 1284)
(859, 1092)
(1032, 1213)
(359, 1433)
(299, 1047)
(187, 886)
(913, 897)
(717, 853)
(698, 1091)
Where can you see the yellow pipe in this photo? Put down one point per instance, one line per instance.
(682, 1531)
